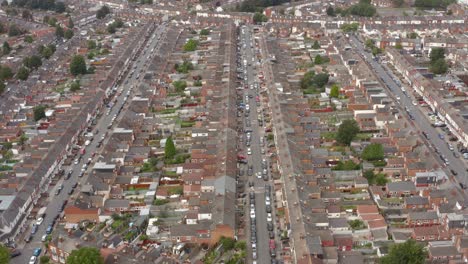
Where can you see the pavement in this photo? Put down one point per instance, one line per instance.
(421, 121)
(56, 201)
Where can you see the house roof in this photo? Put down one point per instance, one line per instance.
(429, 215)
(402, 186)
(367, 209)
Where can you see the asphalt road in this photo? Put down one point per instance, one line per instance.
(255, 159)
(421, 121)
(56, 201)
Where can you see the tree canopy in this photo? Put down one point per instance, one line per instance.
(258, 5)
(347, 131)
(5, 73)
(346, 166)
(335, 91)
(85, 255)
(439, 67)
(408, 252)
(191, 45)
(32, 62)
(373, 151)
(349, 27)
(169, 149)
(314, 82)
(436, 54)
(316, 45)
(363, 8)
(433, 3)
(58, 7)
(23, 73)
(438, 63)
(102, 12)
(39, 112)
(259, 18)
(78, 65)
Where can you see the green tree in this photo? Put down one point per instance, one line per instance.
(13, 31)
(4, 254)
(349, 27)
(430, 4)
(39, 112)
(398, 46)
(346, 166)
(169, 149)
(191, 45)
(370, 176)
(381, 180)
(6, 48)
(2, 87)
(59, 31)
(185, 67)
(52, 22)
(28, 39)
(436, 54)
(439, 66)
(32, 62)
(179, 85)
(204, 32)
(413, 35)
(408, 252)
(363, 8)
(78, 65)
(373, 151)
(316, 45)
(347, 131)
(68, 34)
(92, 44)
(259, 18)
(5, 73)
(47, 52)
(227, 242)
(44, 260)
(111, 28)
(102, 12)
(334, 91)
(318, 60)
(23, 73)
(331, 11)
(85, 255)
(70, 23)
(321, 79)
(75, 86)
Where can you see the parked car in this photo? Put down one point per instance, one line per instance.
(37, 252)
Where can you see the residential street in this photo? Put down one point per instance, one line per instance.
(421, 121)
(56, 201)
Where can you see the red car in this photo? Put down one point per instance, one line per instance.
(272, 244)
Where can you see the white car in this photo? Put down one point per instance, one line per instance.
(252, 214)
(252, 206)
(39, 221)
(76, 161)
(32, 260)
(259, 175)
(262, 150)
(269, 218)
(254, 246)
(43, 238)
(249, 151)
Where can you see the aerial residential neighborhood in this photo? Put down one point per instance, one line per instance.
(240, 131)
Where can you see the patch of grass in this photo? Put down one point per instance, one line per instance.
(159, 202)
(328, 135)
(364, 136)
